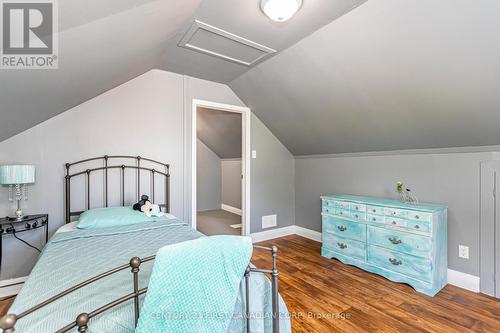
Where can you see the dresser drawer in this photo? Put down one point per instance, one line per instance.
(358, 216)
(375, 210)
(341, 212)
(375, 218)
(357, 207)
(328, 209)
(419, 216)
(395, 222)
(342, 204)
(395, 212)
(419, 226)
(400, 241)
(347, 247)
(343, 228)
(417, 268)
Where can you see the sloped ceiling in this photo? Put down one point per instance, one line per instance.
(244, 18)
(389, 75)
(103, 44)
(220, 131)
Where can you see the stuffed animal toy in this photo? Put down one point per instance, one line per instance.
(147, 207)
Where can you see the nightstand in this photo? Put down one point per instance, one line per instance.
(9, 226)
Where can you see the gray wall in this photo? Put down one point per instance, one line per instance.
(108, 124)
(446, 178)
(272, 178)
(231, 182)
(208, 178)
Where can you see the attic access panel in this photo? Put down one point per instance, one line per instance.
(205, 38)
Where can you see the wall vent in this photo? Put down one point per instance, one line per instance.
(205, 38)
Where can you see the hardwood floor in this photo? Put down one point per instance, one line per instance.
(325, 295)
(5, 304)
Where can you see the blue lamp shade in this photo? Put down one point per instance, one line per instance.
(17, 174)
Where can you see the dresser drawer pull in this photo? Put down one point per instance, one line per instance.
(342, 228)
(341, 213)
(417, 217)
(394, 213)
(342, 245)
(394, 222)
(417, 226)
(395, 262)
(394, 240)
(356, 216)
(374, 210)
(374, 219)
(357, 208)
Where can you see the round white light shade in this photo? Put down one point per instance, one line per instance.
(280, 10)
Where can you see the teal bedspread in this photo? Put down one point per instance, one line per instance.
(72, 257)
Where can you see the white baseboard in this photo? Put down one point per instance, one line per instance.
(308, 233)
(272, 234)
(464, 280)
(231, 209)
(12, 286)
(456, 278)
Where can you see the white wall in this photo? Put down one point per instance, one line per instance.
(231, 182)
(208, 178)
(452, 179)
(149, 115)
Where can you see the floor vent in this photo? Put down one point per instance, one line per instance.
(205, 38)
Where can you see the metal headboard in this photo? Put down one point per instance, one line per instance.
(106, 159)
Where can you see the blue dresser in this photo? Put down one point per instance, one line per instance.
(402, 241)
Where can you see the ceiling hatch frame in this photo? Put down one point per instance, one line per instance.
(199, 25)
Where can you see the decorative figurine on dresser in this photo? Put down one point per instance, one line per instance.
(402, 241)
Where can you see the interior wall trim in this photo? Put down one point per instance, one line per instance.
(231, 209)
(464, 280)
(272, 234)
(11, 287)
(456, 278)
(451, 150)
(246, 165)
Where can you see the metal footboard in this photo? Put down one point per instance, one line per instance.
(8, 322)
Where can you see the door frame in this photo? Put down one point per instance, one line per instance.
(490, 228)
(245, 158)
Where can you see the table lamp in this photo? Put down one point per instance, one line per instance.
(17, 177)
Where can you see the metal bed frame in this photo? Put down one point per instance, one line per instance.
(8, 322)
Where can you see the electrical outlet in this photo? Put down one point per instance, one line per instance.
(269, 221)
(254, 153)
(463, 251)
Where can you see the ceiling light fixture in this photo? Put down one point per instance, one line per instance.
(280, 10)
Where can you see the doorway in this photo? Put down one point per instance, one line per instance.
(490, 228)
(220, 168)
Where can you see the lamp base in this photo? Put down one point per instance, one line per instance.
(19, 214)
